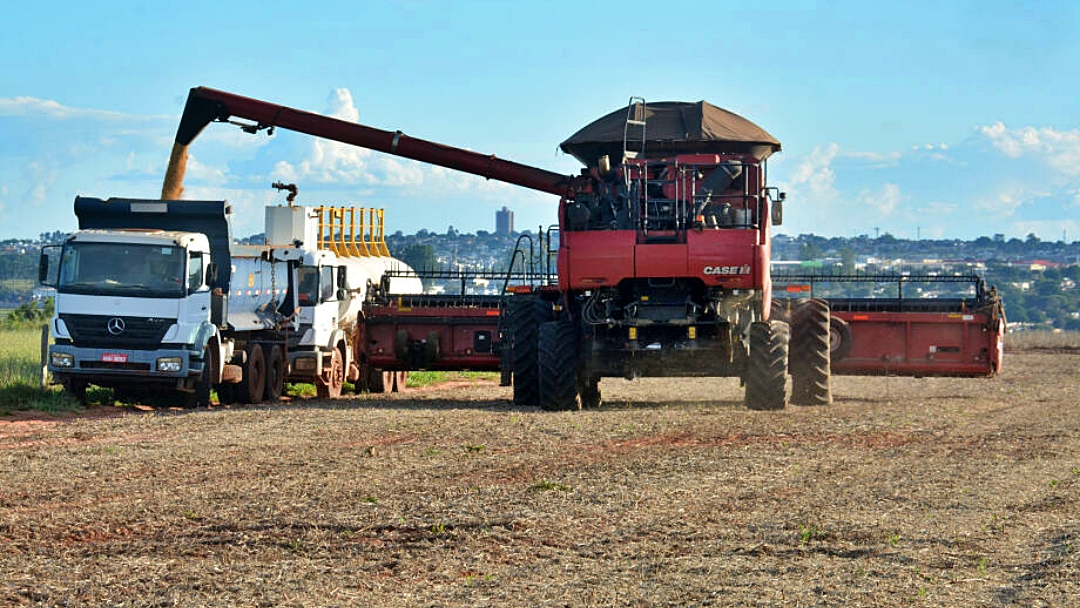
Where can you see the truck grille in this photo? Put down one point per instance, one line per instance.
(93, 331)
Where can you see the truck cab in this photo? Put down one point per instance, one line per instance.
(130, 304)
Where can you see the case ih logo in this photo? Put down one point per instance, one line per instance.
(744, 269)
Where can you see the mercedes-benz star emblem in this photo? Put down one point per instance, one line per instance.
(115, 326)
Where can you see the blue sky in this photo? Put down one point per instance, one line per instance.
(943, 119)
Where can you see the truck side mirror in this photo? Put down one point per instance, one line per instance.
(778, 211)
(211, 274)
(43, 268)
(43, 265)
(342, 283)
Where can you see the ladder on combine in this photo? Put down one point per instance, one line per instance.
(636, 112)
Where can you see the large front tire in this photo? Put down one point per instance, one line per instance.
(809, 358)
(766, 374)
(558, 362)
(525, 314)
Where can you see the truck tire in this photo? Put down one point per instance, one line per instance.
(809, 356)
(200, 396)
(839, 339)
(766, 372)
(275, 374)
(76, 389)
(558, 361)
(253, 386)
(329, 387)
(525, 314)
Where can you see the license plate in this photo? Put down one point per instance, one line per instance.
(114, 358)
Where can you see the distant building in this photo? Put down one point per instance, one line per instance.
(504, 221)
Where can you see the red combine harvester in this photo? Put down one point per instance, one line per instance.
(663, 259)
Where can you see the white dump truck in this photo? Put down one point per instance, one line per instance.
(154, 294)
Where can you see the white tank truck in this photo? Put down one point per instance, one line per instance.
(333, 279)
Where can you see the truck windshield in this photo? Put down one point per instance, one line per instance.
(308, 279)
(122, 269)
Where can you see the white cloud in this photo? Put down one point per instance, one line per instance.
(814, 179)
(32, 106)
(885, 201)
(1059, 149)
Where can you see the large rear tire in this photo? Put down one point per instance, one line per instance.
(766, 374)
(809, 358)
(558, 360)
(525, 314)
(253, 387)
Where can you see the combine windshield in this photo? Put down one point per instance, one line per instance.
(122, 269)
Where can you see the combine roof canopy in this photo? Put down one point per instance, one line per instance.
(672, 127)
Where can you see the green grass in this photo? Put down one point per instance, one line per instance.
(20, 375)
(423, 378)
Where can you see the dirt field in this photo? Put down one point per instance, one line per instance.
(936, 492)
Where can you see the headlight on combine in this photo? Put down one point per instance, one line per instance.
(169, 364)
(61, 360)
(305, 364)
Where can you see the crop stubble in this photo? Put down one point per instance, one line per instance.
(952, 492)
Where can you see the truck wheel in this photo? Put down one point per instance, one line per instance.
(330, 386)
(76, 389)
(558, 347)
(275, 374)
(253, 386)
(809, 355)
(200, 397)
(766, 373)
(839, 338)
(524, 316)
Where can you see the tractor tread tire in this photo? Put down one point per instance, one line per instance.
(525, 314)
(558, 347)
(810, 358)
(766, 374)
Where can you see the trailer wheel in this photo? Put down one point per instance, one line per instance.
(558, 347)
(766, 374)
(330, 386)
(524, 316)
(839, 338)
(809, 356)
(275, 374)
(253, 386)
